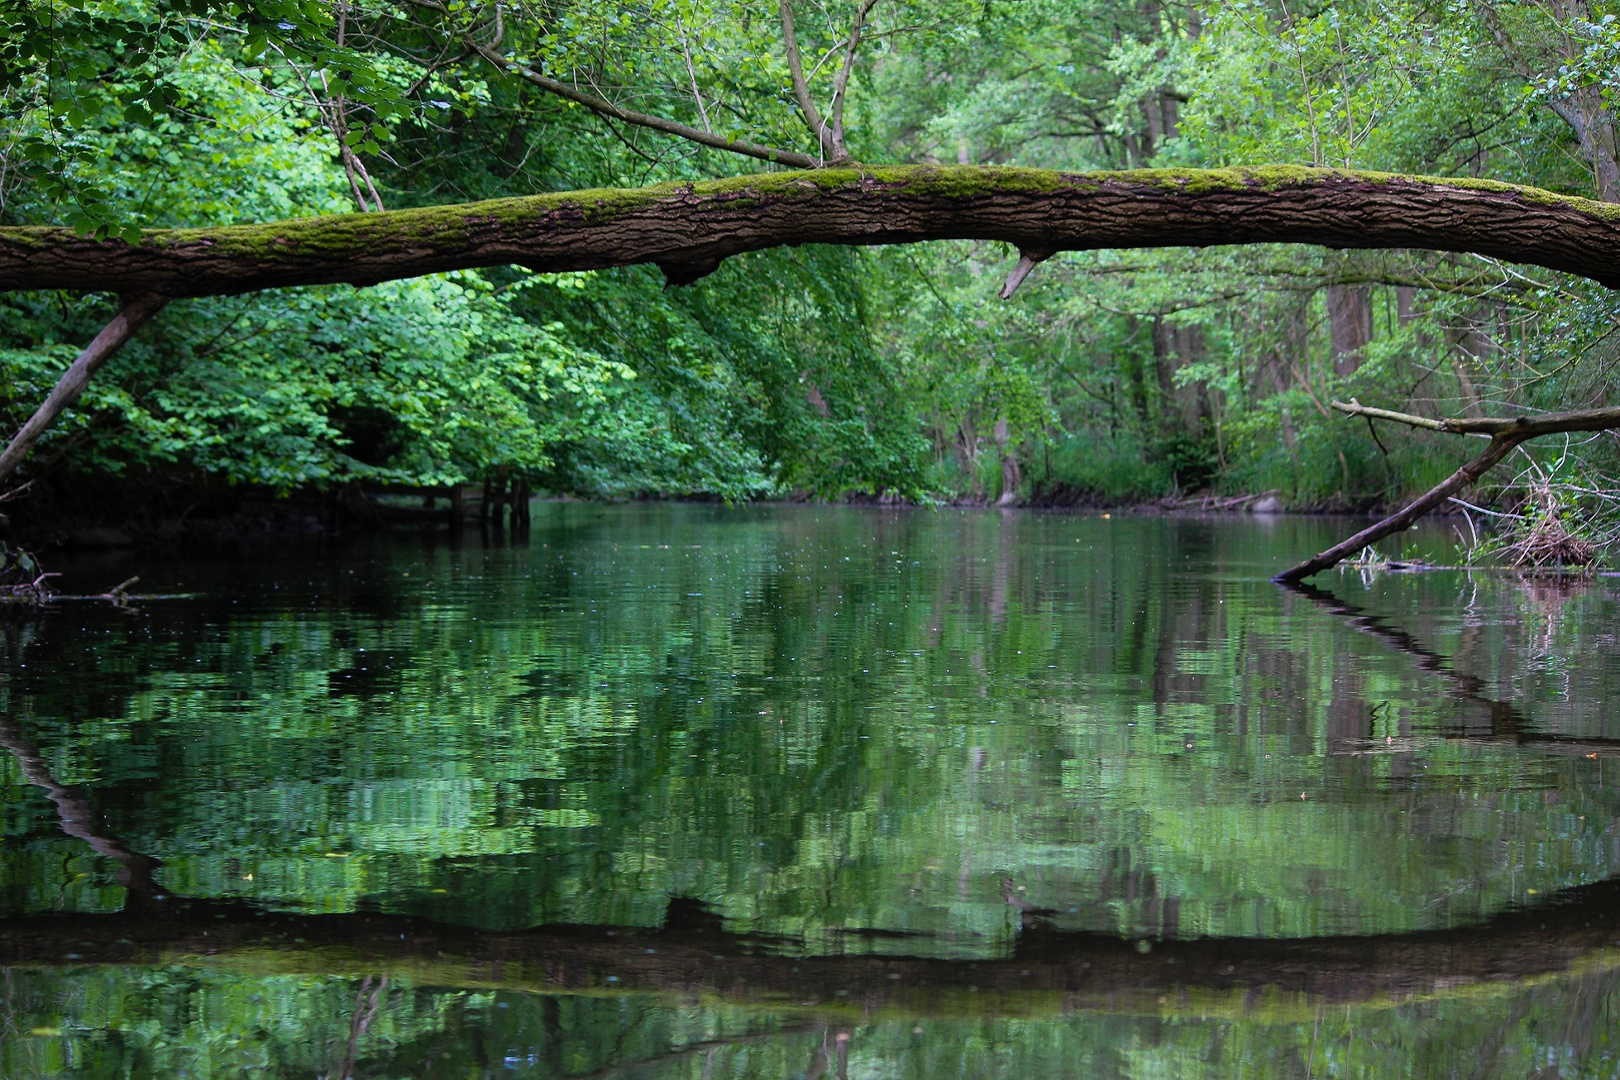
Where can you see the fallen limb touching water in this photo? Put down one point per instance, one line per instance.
(1505, 433)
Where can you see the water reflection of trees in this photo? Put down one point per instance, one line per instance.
(825, 725)
(566, 774)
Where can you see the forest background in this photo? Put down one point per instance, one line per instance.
(813, 372)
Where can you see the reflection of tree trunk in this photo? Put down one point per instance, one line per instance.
(367, 1000)
(1576, 927)
(75, 817)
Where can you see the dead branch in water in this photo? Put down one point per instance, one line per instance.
(1505, 433)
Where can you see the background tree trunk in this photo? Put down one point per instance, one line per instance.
(1350, 325)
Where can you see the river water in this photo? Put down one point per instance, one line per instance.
(707, 792)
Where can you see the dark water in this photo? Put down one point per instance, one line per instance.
(673, 791)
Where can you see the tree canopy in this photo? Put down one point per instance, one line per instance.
(143, 127)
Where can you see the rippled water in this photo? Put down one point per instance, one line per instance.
(738, 792)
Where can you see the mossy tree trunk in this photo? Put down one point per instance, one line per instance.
(687, 229)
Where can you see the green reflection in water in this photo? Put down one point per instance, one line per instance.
(180, 1023)
(861, 730)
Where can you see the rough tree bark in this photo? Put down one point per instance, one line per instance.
(1505, 434)
(687, 229)
(1350, 325)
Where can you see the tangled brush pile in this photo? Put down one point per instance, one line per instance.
(21, 577)
(1545, 538)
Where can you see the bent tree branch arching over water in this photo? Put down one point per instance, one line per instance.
(688, 229)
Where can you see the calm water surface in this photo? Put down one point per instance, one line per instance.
(677, 791)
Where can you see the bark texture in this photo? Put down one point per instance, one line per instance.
(689, 228)
(1350, 325)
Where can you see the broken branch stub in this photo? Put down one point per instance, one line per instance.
(1028, 259)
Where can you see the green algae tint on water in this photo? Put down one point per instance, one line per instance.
(681, 791)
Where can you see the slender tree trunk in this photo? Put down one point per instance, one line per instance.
(72, 383)
(1594, 132)
(1011, 475)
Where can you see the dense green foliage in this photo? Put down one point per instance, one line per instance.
(810, 372)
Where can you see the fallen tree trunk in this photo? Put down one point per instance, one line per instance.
(1505, 434)
(687, 229)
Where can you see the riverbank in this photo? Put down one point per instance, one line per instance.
(213, 513)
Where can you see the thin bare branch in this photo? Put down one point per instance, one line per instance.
(840, 152)
(603, 107)
(1520, 427)
(801, 89)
